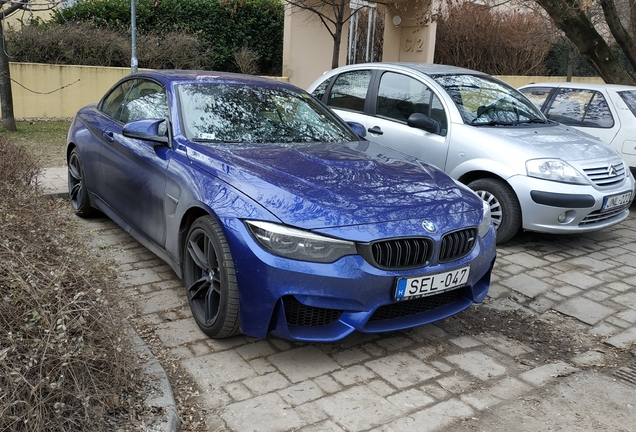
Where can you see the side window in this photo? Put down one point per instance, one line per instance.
(438, 113)
(146, 100)
(537, 96)
(112, 104)
(580, 108)
(350, 90)
(597, 113)
(399, 96)
(319, 92)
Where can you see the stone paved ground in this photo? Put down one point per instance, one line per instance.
(548, 350)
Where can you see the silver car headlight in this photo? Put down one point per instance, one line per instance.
(486, 220)
(555, 170)
(298, 244)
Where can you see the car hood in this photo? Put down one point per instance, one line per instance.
(556, 141)
(322, 185)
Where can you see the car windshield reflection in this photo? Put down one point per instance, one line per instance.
(486, 102)
(225, 113)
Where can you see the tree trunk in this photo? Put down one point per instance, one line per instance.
(337, 37)
(568, 16)
(6, 96)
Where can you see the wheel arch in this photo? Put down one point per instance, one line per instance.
(192, 214)
(475, 175)
(69, 148)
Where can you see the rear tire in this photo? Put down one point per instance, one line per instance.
(504, 206)
(210, 279)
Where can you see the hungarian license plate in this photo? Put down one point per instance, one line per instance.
(613, 201)
(423, 286)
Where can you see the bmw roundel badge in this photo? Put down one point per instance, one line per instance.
(429, 226)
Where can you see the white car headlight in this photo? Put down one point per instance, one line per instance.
(486, 221)
(555, 170)
(298, 244)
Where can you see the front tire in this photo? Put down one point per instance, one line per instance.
(504, 206)
(210, 279)
(77, 191)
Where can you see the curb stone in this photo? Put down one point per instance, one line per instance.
(161, 395)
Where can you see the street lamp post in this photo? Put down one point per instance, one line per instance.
(134, 63)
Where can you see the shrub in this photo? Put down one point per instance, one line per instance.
(223, 25)
(64, 363)
(499, 43)
(86, 44)
(246, 60)
(80, 44)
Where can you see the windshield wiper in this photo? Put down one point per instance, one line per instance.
(210, 140)
(494, 123)
(532, 121)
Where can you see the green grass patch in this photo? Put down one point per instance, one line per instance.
(44, 140)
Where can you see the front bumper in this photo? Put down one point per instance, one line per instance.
(544, 203)
(320, 302)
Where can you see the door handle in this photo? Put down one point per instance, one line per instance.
(376, 130)
(110, 137)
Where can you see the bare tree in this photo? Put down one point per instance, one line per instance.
(333, 14)
(575, 19)
(8, 8)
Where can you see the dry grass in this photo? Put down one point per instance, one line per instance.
(65, 363)
(44, 141)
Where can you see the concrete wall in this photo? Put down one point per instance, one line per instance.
(58, 91)
(518, 81)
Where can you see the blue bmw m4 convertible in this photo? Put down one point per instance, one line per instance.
(279, 218)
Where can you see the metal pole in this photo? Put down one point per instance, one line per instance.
(133, 30)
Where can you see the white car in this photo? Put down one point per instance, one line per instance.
(535, 174)
(606, 111)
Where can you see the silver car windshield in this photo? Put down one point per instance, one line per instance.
(230, 113)
(486, 101)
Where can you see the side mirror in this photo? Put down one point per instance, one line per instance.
(148, 129)
(424, 122)
(358, 128)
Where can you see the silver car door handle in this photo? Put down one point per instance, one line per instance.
(376, 130)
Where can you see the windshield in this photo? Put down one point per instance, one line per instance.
(486, 101)
(234, 113)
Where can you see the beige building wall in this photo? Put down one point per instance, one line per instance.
(308, 47)
(404, 40)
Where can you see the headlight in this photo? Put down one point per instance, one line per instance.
(486, 221)
(555, 170)
(297, 244)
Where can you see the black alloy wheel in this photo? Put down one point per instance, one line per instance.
(77, 191)
(210, 279)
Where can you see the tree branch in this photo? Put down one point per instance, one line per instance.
(622, 36)
(568, 17)
(15, 6)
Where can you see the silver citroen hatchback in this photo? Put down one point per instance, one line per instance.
(535, 174)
